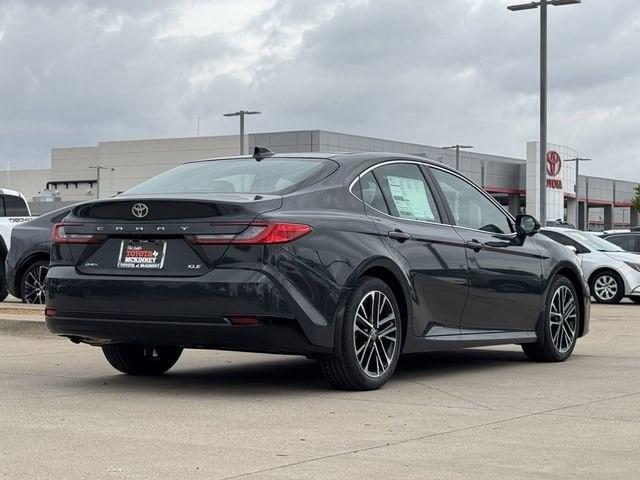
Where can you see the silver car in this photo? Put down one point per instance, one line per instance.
(612, 273)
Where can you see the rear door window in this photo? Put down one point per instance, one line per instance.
(406, 192)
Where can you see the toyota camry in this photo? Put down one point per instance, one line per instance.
(350, 259)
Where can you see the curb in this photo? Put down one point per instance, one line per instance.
(24, 327)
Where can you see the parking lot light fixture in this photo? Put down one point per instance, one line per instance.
(457, 149)
(241, 114)
(543, 4)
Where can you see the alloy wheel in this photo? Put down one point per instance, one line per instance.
(375, 334)
(605, 287)
(563, 319)
(33, 287)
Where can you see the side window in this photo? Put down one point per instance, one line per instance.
(407, 192)
(564, 240)
(625, 242)
(558, 237)
(470, 208)
(368, 190)
(15, 207)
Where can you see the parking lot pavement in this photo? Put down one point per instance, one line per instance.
(485, 413)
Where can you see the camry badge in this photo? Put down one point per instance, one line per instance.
(140, 210)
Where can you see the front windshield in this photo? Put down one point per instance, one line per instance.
(237, 175)
(592, 241)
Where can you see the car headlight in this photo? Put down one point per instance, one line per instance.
(635, 266)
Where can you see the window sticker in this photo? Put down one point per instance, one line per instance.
(410, 198)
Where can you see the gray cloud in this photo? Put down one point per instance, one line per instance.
(76, 72)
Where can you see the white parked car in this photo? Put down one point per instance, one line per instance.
(612, 273)
(14, 210)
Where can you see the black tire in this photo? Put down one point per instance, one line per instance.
(344, 370)
(141, 359)
(4, 292)
(601, 276)
(32, 282)
(545, 348)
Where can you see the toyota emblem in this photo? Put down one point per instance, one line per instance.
(139, 210)
(554, 163)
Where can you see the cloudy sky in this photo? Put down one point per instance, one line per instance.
(75, 72)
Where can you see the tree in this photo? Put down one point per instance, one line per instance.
(635, 201)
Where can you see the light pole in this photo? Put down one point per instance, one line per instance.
(457, 149)
(98, 168)
(241, 114)
(578, 160)
(543, 91)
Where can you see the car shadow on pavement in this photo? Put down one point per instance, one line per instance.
(293, 374)
(433, 365)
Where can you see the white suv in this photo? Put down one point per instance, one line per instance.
(612, 273)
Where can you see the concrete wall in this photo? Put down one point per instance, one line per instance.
(29, 182)
(73, 164)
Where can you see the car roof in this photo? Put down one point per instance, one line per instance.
(7, 191)
(340, 157)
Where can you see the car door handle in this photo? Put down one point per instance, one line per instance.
(474, 245)
(399, 235)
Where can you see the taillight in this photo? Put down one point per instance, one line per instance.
(257, 234)
(60, 235)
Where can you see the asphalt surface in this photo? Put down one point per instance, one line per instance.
(474, 414)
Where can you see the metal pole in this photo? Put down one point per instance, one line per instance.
(578, 193)
(242, 132)
(241, 114)
(98, 168)
(458, 157)
(543, 112)
(586, 203)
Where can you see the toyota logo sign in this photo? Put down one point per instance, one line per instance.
(139, 210)
(554, 163)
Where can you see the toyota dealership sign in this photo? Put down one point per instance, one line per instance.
(554, 166)
(559, 182)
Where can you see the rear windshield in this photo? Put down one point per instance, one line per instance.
(12, 206)
(268, 176)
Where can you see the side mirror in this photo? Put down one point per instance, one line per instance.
(572, 248)
(526, 225)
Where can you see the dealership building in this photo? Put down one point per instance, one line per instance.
(600, 203)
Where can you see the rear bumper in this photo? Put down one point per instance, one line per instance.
(187, 311)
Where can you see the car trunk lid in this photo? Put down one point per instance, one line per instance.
(151, 236)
